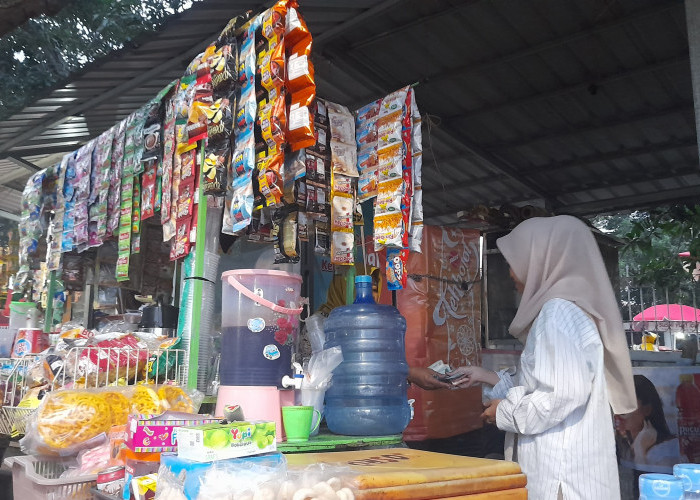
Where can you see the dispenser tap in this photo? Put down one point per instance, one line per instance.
(296, 380)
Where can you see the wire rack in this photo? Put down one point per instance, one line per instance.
(91, 367)
(88, 367)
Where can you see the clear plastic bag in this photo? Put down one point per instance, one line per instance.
(244, 479)
(321, 366)
(314, 330)
(68, 421)
(326, 481)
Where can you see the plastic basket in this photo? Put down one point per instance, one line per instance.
(38, 477)
(13, 420)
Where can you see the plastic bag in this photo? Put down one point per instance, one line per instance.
(70, 420)
(326, 481)
(320, 369)
(315, 332)
(243, 479)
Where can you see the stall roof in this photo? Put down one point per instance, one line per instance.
(585, 104)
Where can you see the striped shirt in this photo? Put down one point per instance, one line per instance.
(557, 405)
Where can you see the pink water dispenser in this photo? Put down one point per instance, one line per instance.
(260, 321)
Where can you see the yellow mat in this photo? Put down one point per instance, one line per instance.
(405, 473)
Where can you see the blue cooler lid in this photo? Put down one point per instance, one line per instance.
(660, 487)
(689, 474)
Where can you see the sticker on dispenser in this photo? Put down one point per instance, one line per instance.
(259, 292)
(271, 352)
(256, 325)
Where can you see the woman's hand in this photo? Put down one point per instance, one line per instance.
(470, 375)
(425, 378)
(489, 415)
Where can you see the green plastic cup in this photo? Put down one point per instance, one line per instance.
(297, 422)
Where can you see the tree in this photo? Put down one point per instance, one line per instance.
(46, 51)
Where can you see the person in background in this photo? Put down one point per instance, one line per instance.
(425, 378)
(575, 365)
(646, 438)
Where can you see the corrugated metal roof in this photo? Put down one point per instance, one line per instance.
(586, 104)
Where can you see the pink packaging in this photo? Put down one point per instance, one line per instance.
(155, 433)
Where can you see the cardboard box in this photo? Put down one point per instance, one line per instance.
(206, 443)
(156, 433)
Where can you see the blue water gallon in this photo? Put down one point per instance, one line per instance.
(660, 487)
(368, 394)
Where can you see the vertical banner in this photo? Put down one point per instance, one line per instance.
(442, 306)
(665, 428)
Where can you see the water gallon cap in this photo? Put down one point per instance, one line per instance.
(657, 486)
(363, 278)
(689, 474)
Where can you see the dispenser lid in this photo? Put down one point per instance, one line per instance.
(363, 278)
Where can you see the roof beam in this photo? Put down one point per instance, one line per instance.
(551, 167)
(418, 22)
(64, 113)
(596, 125)
(360, 71)
(341, 28)
(26, 165)
(583, 86)
(476, 67)
(9, 216)
(637, 201)
(47, 150)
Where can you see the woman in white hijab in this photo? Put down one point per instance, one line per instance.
(574, 368)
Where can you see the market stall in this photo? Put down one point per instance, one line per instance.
(124, 250)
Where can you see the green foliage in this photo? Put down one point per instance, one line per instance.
(654, 240)
(48, 50)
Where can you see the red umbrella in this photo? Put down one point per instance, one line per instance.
(668, 312)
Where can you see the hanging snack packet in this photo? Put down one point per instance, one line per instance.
(369, 112)
(396, 273)
(295, 165)
(222, 64)
(388, 230)
(246, 61)
(136, 218)
(243, 161)
(342, 124)
(322, 145)
(342, 249)
(393, 104)
(214, 169)
(242, 202)
(113, 198)
(272, 70)
(301, 191)
(273, 122)
(342, 184)
(390, 169)
(167, 163)
(303, 226)
(270, 180)
(219, 120)
(367, 185)
(388, 132)
(322, 243)
(342, 213)
(274, 21)
(344, 158)
(181, 243)
(368, 158)
(148, 191)
(315, 168)
(285, 236)
(320, 112)
(389, 196)
(247, 109)
(367, 135)
(197, 122)
(300, 69)
(300, 132)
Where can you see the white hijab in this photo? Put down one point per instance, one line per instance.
(558, 257)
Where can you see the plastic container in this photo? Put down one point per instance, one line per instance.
(259, 321)
(368, 396)
(660, 487)
(38, 477)
(690, 475)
